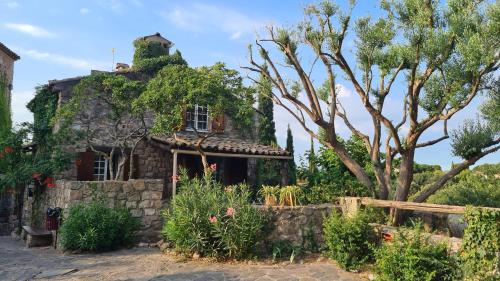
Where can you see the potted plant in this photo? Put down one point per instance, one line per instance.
(289, 195)
(270, 194)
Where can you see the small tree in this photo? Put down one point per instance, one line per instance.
(442, 56)
(292, 167)
(177, 88)
(101, 109)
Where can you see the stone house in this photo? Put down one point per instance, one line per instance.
(161, 157)
(8, 212)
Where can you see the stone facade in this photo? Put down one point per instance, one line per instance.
(297, 223)
(7, 59)
(142, 197)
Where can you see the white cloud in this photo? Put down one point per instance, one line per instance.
(84, 11)
(32, 30)
(200, 17)
(61, 59)
(343, 91)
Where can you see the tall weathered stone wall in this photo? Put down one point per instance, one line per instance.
(142, 197)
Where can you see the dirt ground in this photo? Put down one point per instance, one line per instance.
(20, 263)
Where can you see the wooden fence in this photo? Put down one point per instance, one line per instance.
(350, 205)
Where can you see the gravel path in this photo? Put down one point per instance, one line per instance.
(20, 263)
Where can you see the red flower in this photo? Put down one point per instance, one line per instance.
(1, 154)
(8, 149)
(230, 212)
(213, 219)
(213, 167)
(78, 162)
(51, 185)
(175, 178)
(49, 181)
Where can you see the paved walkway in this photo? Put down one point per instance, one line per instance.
(19, 263)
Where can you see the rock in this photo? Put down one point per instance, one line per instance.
(143, 245)
(196, 256)
(371, 276)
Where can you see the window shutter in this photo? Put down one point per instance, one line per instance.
(218, 124)
(85, 167)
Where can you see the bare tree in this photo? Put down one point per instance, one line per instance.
(444, 56)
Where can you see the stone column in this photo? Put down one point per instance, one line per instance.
(350, 205)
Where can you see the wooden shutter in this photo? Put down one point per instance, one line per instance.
(218, 124)
(85, 167)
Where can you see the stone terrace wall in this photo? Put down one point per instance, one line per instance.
(142, 197)
(295, 223)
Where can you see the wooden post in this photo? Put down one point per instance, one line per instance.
(350, 206)
(174, 175)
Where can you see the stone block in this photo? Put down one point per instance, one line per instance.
(139, 185)
(149, 212)
(155, 195)
(136, 213)
(134, 196)
(145, 204)
(131, 204)
(76, 195)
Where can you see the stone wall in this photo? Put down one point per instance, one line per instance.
(142, 197)
(296, 223)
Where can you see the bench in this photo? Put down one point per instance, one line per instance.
(36, 237)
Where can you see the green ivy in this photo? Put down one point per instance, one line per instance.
(481, 245)
(5, 118)
(44, 107)
(145, 49)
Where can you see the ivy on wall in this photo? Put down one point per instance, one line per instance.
(44, 107)
(5, 114)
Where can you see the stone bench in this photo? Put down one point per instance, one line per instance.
(36, 237)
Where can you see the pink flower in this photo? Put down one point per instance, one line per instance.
(175, 178)
(213, 167)
(213, 219)
(230, 212)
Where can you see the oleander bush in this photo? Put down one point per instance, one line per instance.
(412, 257)
(479, 254)
(350, 241)
(96, 227)
(211, 220)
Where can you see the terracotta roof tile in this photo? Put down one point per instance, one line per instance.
(223, 144)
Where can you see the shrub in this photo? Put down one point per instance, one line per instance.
(350, 241)
(285, 249)
(481, 245)
(94, 226)
(411, 257)
(207, 219)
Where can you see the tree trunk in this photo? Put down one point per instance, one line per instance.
(353, 166)
(403, 185)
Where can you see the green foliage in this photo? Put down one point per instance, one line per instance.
(477, 187)
(44, 107)
(94, 226)
(285, 249)
(411, 257)
(178, 87)
(327, 177)
(290, 195)
(5, 118)
(146, 49)
(206, 219)
(292, 167)
(152, 65)
(481, 245)
(469, 140)
(350, 241)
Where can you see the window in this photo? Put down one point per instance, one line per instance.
(197, 118)
(100, 168)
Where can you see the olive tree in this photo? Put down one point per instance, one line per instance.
(177, 88)
(441, 56)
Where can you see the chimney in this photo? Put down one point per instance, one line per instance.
(122, 66)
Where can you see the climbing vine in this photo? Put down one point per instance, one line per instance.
(481, 245)
(5, 118)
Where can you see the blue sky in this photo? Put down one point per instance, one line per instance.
(60, 39)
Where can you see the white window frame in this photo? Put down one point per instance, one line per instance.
(196, 121)
(100, 161)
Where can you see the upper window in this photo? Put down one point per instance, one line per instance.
(100, 168)
(197, 118)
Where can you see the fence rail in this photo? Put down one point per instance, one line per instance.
(424, 207)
